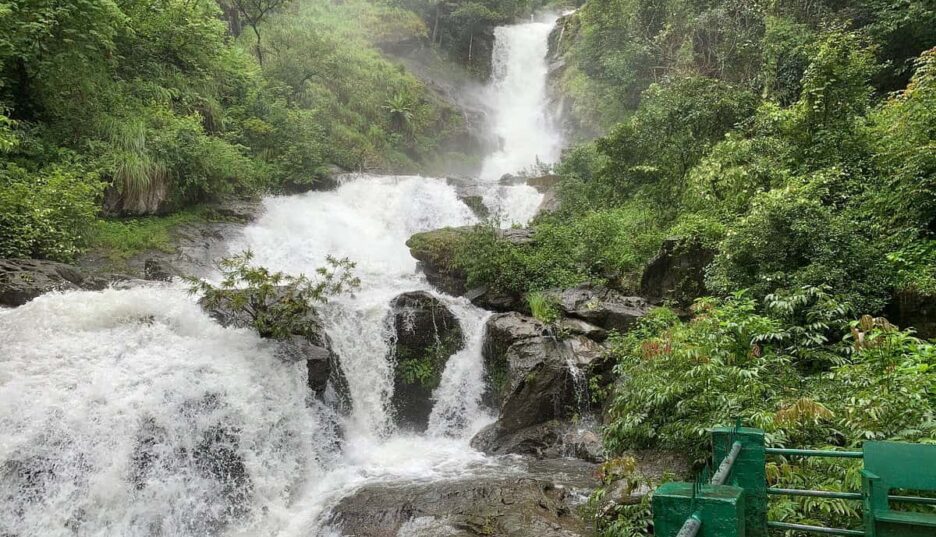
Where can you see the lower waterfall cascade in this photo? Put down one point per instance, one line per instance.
(130, 412)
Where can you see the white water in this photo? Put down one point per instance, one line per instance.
(109, 399)
(522, 120)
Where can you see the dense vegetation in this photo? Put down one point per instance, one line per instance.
(797, 142)
(134, 108)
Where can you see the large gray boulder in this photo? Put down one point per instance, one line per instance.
(426, 334)
(22, 280)
(543, 500)
(677, 273)
(534, 378)
(601, 306)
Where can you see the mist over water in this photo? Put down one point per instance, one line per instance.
(132, 413)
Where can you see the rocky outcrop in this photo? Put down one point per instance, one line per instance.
(601, 306)
(677, 273)
(436, 252)
(22, 280)
(310, 343)
(542, 501)
(535, 381)
(426, 334)
(477, 206)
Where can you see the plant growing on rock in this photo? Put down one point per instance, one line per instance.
(277, 304)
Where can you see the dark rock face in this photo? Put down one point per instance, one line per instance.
(22, 280)
(157, 270)
(677, 273)
(427, 333)
(541, 502)
(553, 439)
(912, 309)
(477, 206)
(535, 379)
(311, 344)
(601, 306)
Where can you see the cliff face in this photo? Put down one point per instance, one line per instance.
(560, 49)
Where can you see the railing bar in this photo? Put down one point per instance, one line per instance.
(815, 493)
(815, 453)
(815, 529)
(724, 469)
(691, 527)
(912, 499)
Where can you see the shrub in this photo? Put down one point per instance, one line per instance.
(278, 304)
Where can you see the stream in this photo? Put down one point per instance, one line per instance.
(107, 398)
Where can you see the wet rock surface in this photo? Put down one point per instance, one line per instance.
(601, 306)
(537, 382)
(426, 335)
(532, 499)
(196, 246)
(22, 280)
(677, 272)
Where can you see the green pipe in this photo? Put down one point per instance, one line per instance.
(815, 529)
(815, 453)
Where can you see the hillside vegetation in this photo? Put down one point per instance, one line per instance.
(129, 108)
(794, 140)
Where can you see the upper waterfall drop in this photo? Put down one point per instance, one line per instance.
(521, 120)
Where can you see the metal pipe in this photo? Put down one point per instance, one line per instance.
(815, 453)
(815, 493)
(815, 529)
(913, 499)
(724, 469)
(691, 527)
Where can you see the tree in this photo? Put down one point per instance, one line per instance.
(254, 12)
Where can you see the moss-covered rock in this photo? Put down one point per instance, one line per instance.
(435, 250)
(427, 333)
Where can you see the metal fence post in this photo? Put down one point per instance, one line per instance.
(748, 472)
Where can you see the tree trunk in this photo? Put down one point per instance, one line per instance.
(435, 24)
(470, 43)
(259, 49)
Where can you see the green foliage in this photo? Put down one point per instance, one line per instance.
(47, 213)
(543, 307)
(121, 238)
(278, 304)
(728, 361)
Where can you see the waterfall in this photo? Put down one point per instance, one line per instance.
(132, 413)
(522, 121)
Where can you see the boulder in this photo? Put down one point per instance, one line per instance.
(554, 439)
(677, 273)
(535, 380)
(542, 500)
(156, 269)
(601, 306)
(22, 280)
(435, 250)
(426, 335)
(544, 183)
(582, 328)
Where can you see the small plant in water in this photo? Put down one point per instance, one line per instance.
(277, 304)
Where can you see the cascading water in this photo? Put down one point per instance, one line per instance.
(522, 120)
(131, 413)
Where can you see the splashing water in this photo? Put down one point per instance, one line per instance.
(132, 413)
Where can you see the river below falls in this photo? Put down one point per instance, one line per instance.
(92, 380)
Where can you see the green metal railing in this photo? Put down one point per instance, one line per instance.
(733, 503)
